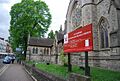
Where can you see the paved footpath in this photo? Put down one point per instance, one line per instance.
(14, 72)
(1, 64)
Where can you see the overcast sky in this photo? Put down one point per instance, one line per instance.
(58, 9)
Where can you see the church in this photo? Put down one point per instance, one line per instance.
(104, 15)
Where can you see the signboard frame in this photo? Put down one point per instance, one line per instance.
(79, 40)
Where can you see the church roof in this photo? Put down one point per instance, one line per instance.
(40, 42)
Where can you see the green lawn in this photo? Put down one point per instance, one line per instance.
(97, 74)
(104, 75)
(58, 70)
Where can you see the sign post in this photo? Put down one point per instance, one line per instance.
(87, 68)
(69, 63)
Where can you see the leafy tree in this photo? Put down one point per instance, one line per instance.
(28, 17)
(51, 35)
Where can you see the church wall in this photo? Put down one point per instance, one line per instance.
(92, 13)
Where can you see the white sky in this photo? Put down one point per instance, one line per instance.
(58, 9)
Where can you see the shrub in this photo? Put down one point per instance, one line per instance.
(63, 58)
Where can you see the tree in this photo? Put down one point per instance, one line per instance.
(28, 17)
(51, 35)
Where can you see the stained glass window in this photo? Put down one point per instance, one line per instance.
(76, 16)
(104, 34)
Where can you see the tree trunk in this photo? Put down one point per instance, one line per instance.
(25, 45)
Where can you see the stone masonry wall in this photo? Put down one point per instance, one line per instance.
(108, 58)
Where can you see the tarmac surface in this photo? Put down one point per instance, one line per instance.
(14, 72)
(1, 64)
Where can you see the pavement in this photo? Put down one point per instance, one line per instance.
(14, 72)
(1, 64)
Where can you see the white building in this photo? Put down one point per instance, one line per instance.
(3, 45)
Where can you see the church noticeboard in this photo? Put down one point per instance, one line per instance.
(79, 40)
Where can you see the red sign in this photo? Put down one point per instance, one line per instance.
(79, 40)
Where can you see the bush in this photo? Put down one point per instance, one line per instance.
(63, 58)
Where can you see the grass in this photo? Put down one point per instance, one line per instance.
(54, 69)
(104, 75)
(97, 74)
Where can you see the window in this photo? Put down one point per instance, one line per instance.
(33, 50)
(76, 15)
(44, 50)
(103, 34)
(41, 51)
(47, 50)
(36, 50)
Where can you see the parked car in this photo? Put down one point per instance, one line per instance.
(7, 60)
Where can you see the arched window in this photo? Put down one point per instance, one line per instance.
(47, 51)
(76, 15)
(36, 50)
(103, 29)
(33, 50)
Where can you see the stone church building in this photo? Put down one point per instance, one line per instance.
(104, 15)
(39, 49)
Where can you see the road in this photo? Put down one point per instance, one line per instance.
(14, 72)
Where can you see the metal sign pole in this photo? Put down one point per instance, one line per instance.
(69, 63)
(87, 68)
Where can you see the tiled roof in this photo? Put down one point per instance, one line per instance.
(40, 42)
